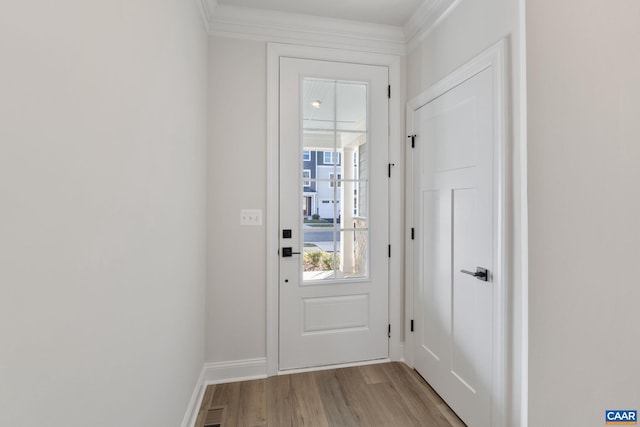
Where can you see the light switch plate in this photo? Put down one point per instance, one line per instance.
(251, 217)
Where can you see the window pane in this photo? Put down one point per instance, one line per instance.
(351, 106)
(318, 141)
(353, 253)
(318, 257)
(360, 253)
(318, 104)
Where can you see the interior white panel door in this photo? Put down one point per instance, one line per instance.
(333, 207)
(453, 164)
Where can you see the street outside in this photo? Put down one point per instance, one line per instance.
(323, 239)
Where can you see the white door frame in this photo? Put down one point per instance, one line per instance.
(494, 57)
(396, 155)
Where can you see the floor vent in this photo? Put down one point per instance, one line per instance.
(214, 417)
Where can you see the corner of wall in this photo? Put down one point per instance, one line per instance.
(195, 402)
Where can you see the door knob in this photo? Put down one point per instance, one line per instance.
(480, 273)
(288, 252)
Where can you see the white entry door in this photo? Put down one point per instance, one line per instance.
(454, 249)
(333, 301)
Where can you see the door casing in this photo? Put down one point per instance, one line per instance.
(396, 188)
(494, 57)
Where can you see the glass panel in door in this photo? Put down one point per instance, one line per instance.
(335, 180)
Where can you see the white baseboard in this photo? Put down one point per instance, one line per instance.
(236, 370)
(218, 373)
(193, 408)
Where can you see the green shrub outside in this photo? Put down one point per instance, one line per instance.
(320, 260)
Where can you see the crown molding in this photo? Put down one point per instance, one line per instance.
(284, 27)
(425, 19)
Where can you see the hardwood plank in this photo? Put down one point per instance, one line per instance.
(392, 409)
(228, 396)
(421, 399)
(390, 394)
(308, 408)
(253, 404)
(358, 395)
(204, 407)
(373, 374)
(279, 401)
(337, 412)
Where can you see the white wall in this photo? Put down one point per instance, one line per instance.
(469, 29)
(584, 157)
(236, 260)
(102, 175)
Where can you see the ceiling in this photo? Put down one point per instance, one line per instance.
(388, 12)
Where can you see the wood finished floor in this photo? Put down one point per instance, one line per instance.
(389, 394)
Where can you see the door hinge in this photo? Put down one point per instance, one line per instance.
(389, 251)
(389, 331)
(413, 140)
(411, 325)
(413, 233)
(389, 91)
